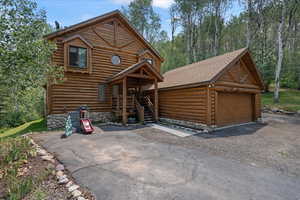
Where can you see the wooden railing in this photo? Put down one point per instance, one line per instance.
(140, 110)
(149, 104)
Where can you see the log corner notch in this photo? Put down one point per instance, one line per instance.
(124, 111)
(155, 100)
(208, 104)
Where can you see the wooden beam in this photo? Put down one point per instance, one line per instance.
(108, 43)
(230, 84)
(124, 106)
(139, 76)
(234, 89)
(155, 100)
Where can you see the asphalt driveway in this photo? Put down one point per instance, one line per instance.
(118, 163)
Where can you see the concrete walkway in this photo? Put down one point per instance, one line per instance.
(120, 164)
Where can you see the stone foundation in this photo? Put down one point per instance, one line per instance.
(183, 123)
(56, 121)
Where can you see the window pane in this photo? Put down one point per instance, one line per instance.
(78, 57)
(115, 90)
(116, 60)
(101, 92)
(73, 50)
(82, 57)
(73, 56)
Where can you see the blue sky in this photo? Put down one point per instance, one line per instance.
(68, 12)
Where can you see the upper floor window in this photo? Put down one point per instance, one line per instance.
(77, 57)
(116, 60)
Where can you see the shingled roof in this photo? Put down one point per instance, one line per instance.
(204, 71)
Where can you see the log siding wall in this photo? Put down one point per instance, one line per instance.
(184, 104)
(82, 88)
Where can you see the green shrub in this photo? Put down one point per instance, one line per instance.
(13, 151)
(29, 107)
(19, 188)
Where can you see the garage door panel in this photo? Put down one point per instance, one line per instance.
(234, 108)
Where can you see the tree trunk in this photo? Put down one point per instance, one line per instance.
(280, 55)
(249, 10)
(217, 34)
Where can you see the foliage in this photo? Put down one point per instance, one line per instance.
(30, 107)
(206, 28)
(34, 126)
(141, 14)
(25, 59)
(14, 152)
(290, 100)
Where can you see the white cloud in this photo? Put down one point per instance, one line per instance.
(156, 3)
(162, 3)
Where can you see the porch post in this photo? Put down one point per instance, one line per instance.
(124, 112)
(155, 100)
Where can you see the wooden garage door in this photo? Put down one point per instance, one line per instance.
(234, 108)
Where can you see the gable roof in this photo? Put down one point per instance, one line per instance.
(134, 68)
(205, 71)
(78, 37)
(94, 20)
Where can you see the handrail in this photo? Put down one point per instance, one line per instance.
(140, 110)
(149, 103)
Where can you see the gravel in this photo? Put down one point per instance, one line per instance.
(275, 143)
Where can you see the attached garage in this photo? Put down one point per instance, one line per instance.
(219, 91)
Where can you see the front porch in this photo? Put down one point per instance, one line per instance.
(129, 99)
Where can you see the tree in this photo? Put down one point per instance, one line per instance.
(141, 14)
(25, 56)
(286, 10)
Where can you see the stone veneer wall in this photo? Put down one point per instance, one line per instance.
(56, 121)
(188, 124)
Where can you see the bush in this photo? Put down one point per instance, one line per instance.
(29, 107)
(13, 152)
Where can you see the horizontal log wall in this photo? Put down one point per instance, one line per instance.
(82, 88)
(188, 104)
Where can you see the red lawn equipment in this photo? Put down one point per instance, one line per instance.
(85, 123)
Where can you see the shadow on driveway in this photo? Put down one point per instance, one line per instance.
(247, 129)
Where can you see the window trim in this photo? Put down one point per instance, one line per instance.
(77, 42)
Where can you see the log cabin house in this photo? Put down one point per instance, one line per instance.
(108, 66)
(106, 62)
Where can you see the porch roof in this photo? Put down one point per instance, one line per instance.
(130, 71)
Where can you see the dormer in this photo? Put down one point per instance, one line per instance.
(77, 54)
(147, 55)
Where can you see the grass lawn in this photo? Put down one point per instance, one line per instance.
(33, 126)
(289, 100)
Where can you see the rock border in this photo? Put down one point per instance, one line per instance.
(280, 111)
(62, 177)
